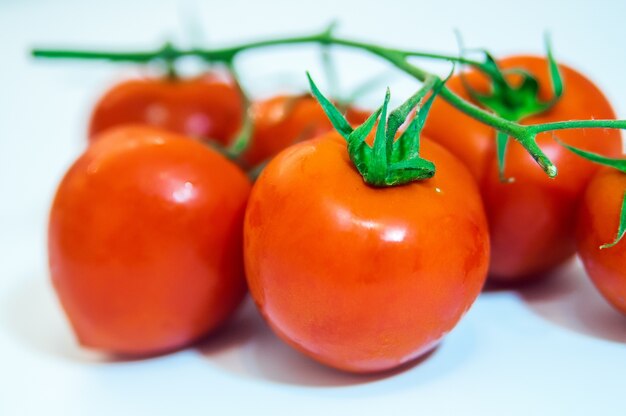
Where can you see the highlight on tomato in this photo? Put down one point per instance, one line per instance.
(601, 228)
(531, 216)
(145, 241)
(208, 106)
(356, 255)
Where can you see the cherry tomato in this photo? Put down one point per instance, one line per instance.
(207, 106)
(145, 241)
(284, 120)
(532, 219)
(597, 225)
(360, 278)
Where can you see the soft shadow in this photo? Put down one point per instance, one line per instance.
(532, 281)
(568, 298)
(245, 346)
(30, 312)
(33, 315)
(249, 348)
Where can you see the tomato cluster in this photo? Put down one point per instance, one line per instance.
(154, 232)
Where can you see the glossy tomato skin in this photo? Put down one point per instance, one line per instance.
(532, 219)
(207, 106)
(359, 278)
(145, 240)
(283, 120)
(598, 222)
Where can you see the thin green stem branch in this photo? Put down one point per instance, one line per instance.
(577, 124)
(139, 57)
(244, 136)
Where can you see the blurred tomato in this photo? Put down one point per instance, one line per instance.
(284, 120)
(207, 106)
(598, 224)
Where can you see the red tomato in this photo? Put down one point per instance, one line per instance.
(206, 106)
(209, 107)
(360, 278)
(532, 219)
(284, 120)
(597, 225)
(145, 241)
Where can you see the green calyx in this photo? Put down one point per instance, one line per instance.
(517, 101)
(514, 102)
(615, 163)
(390, 161)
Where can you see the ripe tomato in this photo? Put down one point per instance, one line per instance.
(531, 220)
(207, 106)
(284, 120)
(145, 241)
(360, 278)
(597, 225)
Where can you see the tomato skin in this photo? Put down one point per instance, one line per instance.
(598, 222)
(145, 241)
(532, 219)
(207, 106)
(283, 120)
(359, 278)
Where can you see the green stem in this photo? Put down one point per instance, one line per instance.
(244, 136)
(525, 135)
(577, 124)
(227, 54)
(138, 57)
(212, 55)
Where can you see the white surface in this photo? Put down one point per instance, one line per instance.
(555, 348)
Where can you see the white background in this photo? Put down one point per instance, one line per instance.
(553, 348)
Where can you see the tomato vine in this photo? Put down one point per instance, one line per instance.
(524, 134)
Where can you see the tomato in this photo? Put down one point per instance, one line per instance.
(210, 107)
(283, 120)
(360, 278)
(145, 241)
(532, 219)
(598, 223)
(206, 106)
